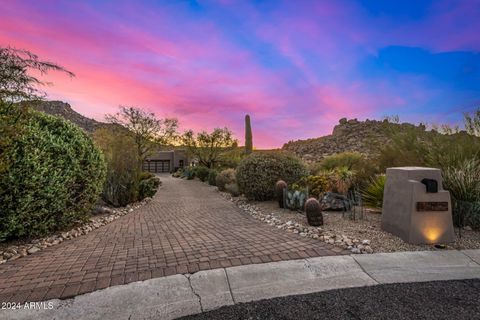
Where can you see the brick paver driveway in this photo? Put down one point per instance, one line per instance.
(186, 228)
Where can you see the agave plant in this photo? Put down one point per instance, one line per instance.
(372, 195)
(296, 197)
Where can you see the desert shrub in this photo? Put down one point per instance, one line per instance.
(188, 173)
(225, 177)
(148, 186)
(232, 188)
(212, 177)
(361, 167)
(417, 147)
(201, 173)
(316, 184)
(231, 158)
(344, 159)
(12, 124)
(53, 177)
(144, 175)
(463, 182)
(372, 194)
(178, 173)
(258, 173)
(341, 180)
(123, 173)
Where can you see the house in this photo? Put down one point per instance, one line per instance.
(166, 161)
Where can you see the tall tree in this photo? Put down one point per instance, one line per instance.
(209, 147)
(147, 130)
(16, 81)
(248, 135)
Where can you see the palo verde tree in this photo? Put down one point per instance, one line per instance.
(209, 147)
(147, 130)
(248, 135)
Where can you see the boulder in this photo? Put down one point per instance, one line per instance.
(334, 201)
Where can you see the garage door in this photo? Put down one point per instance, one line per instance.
(157, 166)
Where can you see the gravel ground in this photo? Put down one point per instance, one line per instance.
(367, 228)
(425, 300)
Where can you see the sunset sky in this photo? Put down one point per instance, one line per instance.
(296, 67)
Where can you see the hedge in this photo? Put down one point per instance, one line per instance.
(53, 178)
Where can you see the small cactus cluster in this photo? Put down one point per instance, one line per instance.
(313, 211)
(280, 186)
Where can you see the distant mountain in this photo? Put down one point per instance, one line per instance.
(349, 135)
(62, 109)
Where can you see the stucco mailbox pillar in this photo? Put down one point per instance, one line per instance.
(415, 206)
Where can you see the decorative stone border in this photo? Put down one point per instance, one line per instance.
(18, 251)
(356, 246)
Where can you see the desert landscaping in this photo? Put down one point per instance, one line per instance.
(239, 160)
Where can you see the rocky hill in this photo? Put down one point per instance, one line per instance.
(348, 135)
(62, 109)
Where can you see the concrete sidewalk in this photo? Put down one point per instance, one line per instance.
(180, 295)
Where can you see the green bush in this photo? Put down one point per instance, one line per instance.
(361, 167)
(372, 195)
(316, 184)
(417, 147)
(188, 173)
(201, 173)
(123, 173)
(225, 177)
(178, 173)
(344, 159)
(258, 173)
(463, 182)
(212, 177)
(148, 187)
(341, 180)
(232, 188)
(53, 177)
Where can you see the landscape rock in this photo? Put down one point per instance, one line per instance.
(333, 201)
(33, 250)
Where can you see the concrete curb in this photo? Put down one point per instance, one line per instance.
(179, 295)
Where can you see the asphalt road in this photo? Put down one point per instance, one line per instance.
(425, 300)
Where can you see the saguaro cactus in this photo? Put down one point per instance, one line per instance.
(314, 212)
(280, 186)
(248, 135)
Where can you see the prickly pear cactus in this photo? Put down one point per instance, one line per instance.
(314, 212)
(280, 186)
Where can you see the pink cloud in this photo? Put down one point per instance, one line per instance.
(193, 69)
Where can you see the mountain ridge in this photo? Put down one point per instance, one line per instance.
(64, 110)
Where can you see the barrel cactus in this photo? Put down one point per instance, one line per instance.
(280, 186)
(314, 212)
